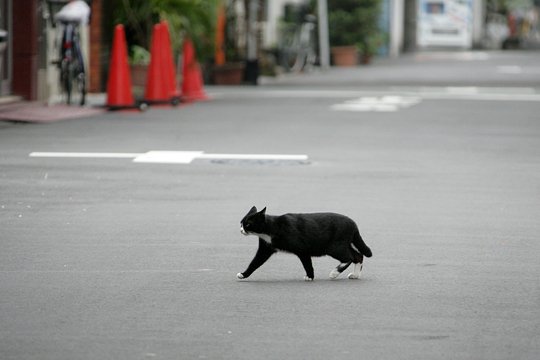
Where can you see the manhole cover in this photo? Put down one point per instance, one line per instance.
(259, 162)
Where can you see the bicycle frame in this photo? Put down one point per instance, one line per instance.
(72, 69)
(297, 51)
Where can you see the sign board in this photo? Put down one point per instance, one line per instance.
(445, 23)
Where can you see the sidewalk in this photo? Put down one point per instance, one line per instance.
(16, 110)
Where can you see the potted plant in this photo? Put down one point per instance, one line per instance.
(353, 30)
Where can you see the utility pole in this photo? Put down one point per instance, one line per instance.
(324, 42)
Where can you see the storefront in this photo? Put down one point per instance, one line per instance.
(20, 49)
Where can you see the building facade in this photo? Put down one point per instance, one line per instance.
(30, 44)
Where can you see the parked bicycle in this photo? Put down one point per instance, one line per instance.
(298, 43)
(71, 62)
(72, 72)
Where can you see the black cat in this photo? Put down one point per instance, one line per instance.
(306, 235)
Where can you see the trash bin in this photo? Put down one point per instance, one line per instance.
(3, 47)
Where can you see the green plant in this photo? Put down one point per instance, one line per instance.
(233, 52)
(355, 22)
(139, 55)
(193, 18)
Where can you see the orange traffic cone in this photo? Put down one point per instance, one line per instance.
(157, 89)
(119, 83)
(168, 63)
(192, 85)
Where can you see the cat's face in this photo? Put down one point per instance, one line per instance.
(253, 223)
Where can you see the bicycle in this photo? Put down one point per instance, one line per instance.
(71, 65)
(297, 50)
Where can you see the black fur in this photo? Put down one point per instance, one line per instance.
(305, 235)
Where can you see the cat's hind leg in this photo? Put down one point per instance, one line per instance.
(339, 269)
(358, 260)
(356, 272)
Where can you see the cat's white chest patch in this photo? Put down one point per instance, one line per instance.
(265, 237)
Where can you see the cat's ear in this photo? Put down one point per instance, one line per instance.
(252, 211)
(263, 211)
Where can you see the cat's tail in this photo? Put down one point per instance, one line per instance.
(359, 243)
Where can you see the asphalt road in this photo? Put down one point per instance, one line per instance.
(107, 258)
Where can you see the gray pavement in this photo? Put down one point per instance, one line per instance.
(106, 258)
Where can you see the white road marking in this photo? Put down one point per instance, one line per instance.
(384, 103)
(83, 155)
(509, 69)
(170, 157)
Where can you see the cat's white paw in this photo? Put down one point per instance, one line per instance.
(307, 278)
(333, 274)
(240, 276)
(357, 271)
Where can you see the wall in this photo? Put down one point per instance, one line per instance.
(25, 49)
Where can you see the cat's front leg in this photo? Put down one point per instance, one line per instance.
(308, 266)
(263, 253)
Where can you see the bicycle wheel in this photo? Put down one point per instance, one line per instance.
(291, 60)
(77, 89)
(80, 86)
(73, 81)
(65, 80)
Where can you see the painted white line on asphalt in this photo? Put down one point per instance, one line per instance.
(171, 157)
(509, 69)
(382, 104)
(483, 97)
(84, 155)
(168, 157)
